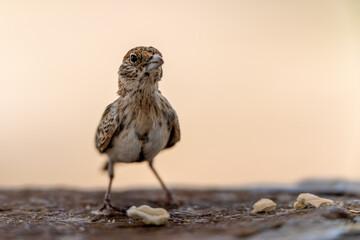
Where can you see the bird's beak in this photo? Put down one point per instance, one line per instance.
(155, 62)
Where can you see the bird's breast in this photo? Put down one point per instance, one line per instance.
(139, 141)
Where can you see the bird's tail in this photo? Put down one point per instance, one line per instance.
(106, 166)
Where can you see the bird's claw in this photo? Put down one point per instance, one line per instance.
(107, 207)
(170, 201)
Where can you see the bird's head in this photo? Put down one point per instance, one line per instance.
(141, 66)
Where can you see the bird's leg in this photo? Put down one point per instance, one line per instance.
(107, 205)
(169, 197)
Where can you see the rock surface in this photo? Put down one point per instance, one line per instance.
(203, 214)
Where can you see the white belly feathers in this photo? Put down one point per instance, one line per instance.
(127, 147)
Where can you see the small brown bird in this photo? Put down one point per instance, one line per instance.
(141, 122)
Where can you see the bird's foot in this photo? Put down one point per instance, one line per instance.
(108, 208)
(172, 202)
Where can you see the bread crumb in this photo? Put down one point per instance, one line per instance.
(149, 215)
(264, 205)
(298, 205)
(311, 200)
(354, 211)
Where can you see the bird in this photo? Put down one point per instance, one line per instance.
(140, 122)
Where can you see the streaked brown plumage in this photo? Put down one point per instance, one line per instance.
(141, 122)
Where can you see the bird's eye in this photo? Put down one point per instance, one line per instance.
(133, 58)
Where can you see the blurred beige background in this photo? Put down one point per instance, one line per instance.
(266, 91)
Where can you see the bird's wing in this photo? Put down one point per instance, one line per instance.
(109, 126)
(174, 129)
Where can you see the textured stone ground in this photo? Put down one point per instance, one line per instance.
(204, 214)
